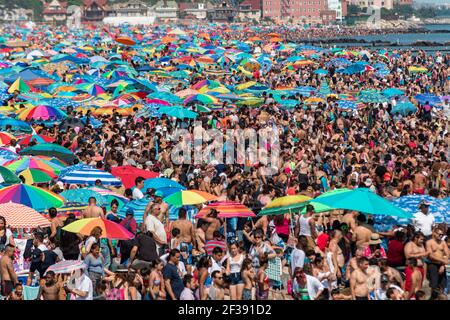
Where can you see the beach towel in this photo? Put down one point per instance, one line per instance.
(30, 293)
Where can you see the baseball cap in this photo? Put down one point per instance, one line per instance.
(158, 193)
(425, 203)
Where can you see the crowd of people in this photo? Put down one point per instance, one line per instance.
(336, 255)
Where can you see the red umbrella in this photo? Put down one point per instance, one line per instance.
(40, 138)
(125, 40)
(226, 209)
(128, 174)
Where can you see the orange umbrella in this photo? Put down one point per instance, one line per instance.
(125, 40)
(254, 39)
(276, 40)
(167, 39)
(273, 34)
(205, 59)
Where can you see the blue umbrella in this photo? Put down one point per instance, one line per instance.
(321, 71)
(82, 196)
(84, 174)
(427, 97)
(138, 207)
(16, 125)
(392, 92)
(438, 207)
(158, 183)
(344, 104)
(404, 108)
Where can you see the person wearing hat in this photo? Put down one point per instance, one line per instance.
(385, 285)
(374, 250)
(157, 207)
(424, 220)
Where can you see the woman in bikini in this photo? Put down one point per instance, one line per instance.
(203, 276)
(156, 281)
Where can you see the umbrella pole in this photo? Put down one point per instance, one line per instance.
(225, 230)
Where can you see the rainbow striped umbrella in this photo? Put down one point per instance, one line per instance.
(189, 197)
(24, 163)
(285, 204)
(32, 176)
(21, 216)
(7, 177)
(39, 138)
(110, 230)
(31, 196)
(41, 113)
(226, 209)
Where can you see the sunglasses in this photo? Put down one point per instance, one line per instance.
(219, 278)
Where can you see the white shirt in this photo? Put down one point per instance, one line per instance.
(84, 284)
(155, 226)
(313, 285)
(187, 294)
(297, 259)
(137, 194)
(423, 222)
(380, 294)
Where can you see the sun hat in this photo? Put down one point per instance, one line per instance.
(374, 239)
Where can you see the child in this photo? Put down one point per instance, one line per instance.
(176, 238)
(17, 294)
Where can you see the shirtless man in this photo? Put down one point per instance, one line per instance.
(358, 280)
(200, 235)
(438, 259)
(350, 219)
(419, 182)
(392, 273)
(214, 224)
(416, 249)
(362, 234)
(414, 280)
(51, 288)
(353, 263)
(56, 222)
(93, 211)
(8, 275)
(187, 232)
(337, 257)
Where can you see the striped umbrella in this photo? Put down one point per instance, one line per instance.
(67, 266)
(110, 230)
(41, 113)
(74, 208)
(87, 175)
(32, 176)
(188, 197)
(50, 150)
(285, 204)
(226, 209)
(138, 207)
(39, 138)
(31, 196)
(29, 162)
(20, 216)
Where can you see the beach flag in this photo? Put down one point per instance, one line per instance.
(19, 85)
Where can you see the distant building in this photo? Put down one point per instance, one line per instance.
(403, 2)
(222, 12)
(250, 10)
(55, 12)
(338, 7)
(94, 10)
(132, 8)
(387, 4)
(192, 10)
(295, 10)
(165, 10)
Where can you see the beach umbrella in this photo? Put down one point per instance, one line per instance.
(428, 97)
(23, 163)
(5, 138)
(128, 174)
(287, 204)
(82, 196)
(19, 85)
(21, 216)
(39, 138)
(226, 209)
(321, 72)
(41, 113)
(66, 266)
(404, 108)
(159, 183)
(50, 149)
(345, 104)
(318, 207)
(74, 208)
(438, 207)
(178, 112)
(16, 125)
(363, 200)
(372, 97)
(138, 207)
(87, 175)
(392, 92)
(31, 196)
(33, 176)
(110, 230)
(7, 177)
(188, 197)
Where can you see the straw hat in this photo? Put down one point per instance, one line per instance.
(374, 239)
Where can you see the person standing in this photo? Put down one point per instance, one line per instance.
(173, 283)
(358, 280)
(6, 236)
(93, 211)
(248, 276)
(216, 291)
(233, 270)
(190, 285)
(7, 273)
(50, 290)
(437, 260)
(137, 191)
(94, 265)
(306, 226)
(423, 220)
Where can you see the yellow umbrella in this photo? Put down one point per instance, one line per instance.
(246, 85)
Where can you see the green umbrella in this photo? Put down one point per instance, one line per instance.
(318, 207)
(82, 196)
(363, 200)
(7, 177)
(50, 150)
